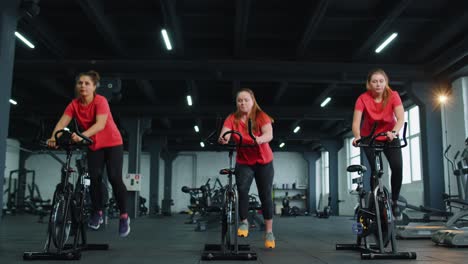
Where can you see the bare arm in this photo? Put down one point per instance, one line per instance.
(224, 140)
(267, 134)
(400, 116)
(357, 117)
(94, 129)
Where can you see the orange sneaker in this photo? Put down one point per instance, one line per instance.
(243, 230)
(269, 240)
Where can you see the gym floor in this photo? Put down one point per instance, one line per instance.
(169, 240)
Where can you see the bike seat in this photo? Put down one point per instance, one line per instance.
(356, 168)
(227, 171)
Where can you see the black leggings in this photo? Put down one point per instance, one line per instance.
(263, 174)
(395, 160)
(112, 157)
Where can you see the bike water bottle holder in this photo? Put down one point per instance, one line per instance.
(358, 228)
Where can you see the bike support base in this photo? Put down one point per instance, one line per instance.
(215, 252)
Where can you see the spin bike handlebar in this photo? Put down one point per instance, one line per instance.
(239, 144)
(64, 141)
(374, 143)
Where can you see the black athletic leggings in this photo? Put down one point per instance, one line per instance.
(112, 157)
(263, 174)
(395, 160)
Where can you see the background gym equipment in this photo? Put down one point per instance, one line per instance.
(452, 218)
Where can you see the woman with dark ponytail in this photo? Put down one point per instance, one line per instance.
(93, 114)
(382, 105)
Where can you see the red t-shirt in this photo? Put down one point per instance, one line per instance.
(260, 154)
(374, 112)
(86, 117)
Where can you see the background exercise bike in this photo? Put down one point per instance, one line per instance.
(229, 248)
(67, 217)
(375, 218)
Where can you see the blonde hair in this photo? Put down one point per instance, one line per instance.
(387, 92)
(254, 113)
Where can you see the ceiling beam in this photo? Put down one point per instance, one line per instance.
(240, 29)
(203, 112)
(381, 29)
(315, 19)
(319, 99)
(235, 87)
(94, 10)
(445, 32)
(280, 92)
(57, 88)
(47, 36)
(210, 70)
(449, 58)
(166, 122)
(189, 134)
(172, 25)
(147, 89)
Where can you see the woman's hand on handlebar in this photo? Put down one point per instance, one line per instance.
(354, 141)
(51, 143)
(390, 136)
(76, 138)
(222, 140)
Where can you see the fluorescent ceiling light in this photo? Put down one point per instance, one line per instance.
(325, 102)
(13, 102)
(202, 144)
(196, 128)
(386, 42)
(166, 39)
(189, 100)
(297, 129)
(281, 145)
(25, 41)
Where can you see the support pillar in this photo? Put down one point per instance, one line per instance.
(156, 146)
(333, 146)
(311, 203)
(431, 143)
(135, 127)
(167, 201)
(8, 23)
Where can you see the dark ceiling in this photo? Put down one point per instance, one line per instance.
(292, 54)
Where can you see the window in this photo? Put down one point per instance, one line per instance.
(318, 180)
(353, 158)
(412, 153)
(325, 172)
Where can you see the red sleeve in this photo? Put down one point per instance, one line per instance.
(396, 100)
(229, 122)
(69, 111)
(102, 107)
(263, 119)
(359, 104)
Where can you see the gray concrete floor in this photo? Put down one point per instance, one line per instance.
(169, 240)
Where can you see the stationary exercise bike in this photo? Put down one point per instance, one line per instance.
(375, 217)
(67, 217)
(229, 248)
